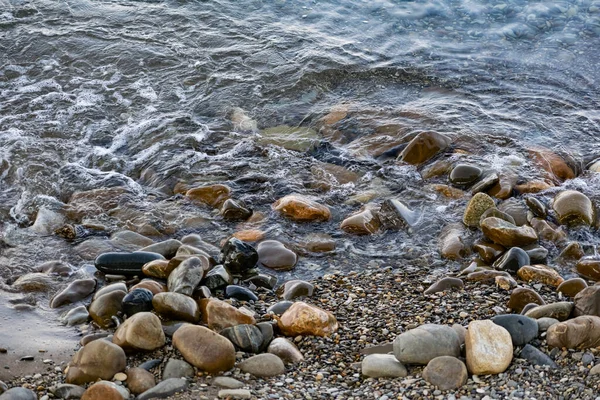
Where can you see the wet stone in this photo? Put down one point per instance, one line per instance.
(235, 210)
(302, 209)
(238, 256)
(177, 369)
(507, 234)
(138, 300)
(104, 308)
(589, 267)
(176, 306)
(318, 242)
(494, 212)
(465, 174)
(275, 255)
(187, 276)
(76, 316)
(540, 273)
(54, 268)
(537, 207)
(485, 183)
(217, 278)
(167, 248)
(520, 297)
(445, 284)
(76, 291)
(262, 280)
(246, 337)
(364, 222)
(573, 208)
(424, 146)
(396, 215)
(160, 269)
(113, 287)
(219, 315)
(297, 288)
(124, 263)
(211, 195)
(280, 307)
(572, 286)
(516, 208)
(153, 286)
(34, 282)
(537, 254)
(268, 330)
(489, 252)
(141, 332)
(476, 207)
(240, 293)
(522, 329)
(513, 260)
(451, 242)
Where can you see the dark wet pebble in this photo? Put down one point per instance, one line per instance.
(238, 256)
(235, 210)
(148, 365)
(217, 278)
(125, 263)
(512, 260)
(537, 207)
(240, 293)
(465, 174)
(136, 301)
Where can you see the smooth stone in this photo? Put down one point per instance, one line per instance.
(486, 275)
(548, 231)
(267, 328)
(385, 348)
(196, 241)
(235, 210)
(587, 302)
(76, 316)
(68, 391)
(142, 331)
(227, 382)
(150, 364)
(537, 254)
(516, 208)
(577, 333)
(188, 250)
(302, 209)
(105, 390)
(382, 366)
(104, 308)
(18, 393)
(187, 276)
(99, 359)
(238, 256)
(167, 248)
(572, 286)
(560, 310)
(506, 234)
(544, 323)
(164, 389)
(451, 242)
(533, 187)
(240, 293)
(494, 212)
(76, 291)
(286, 350)
(153, 286)
(248, 338)
(594, 166)
(573, 208)
(273, 254)
(488, 348)
(136, 301)
(170, 327)
(280, 307)
(537, 207)
(34, 282)
(522, 329)
(488, 252)
(511, 261)
(54, 267)
(485, 183)
(571, 253)
(176, 306)
(114, 287)
(297, 288)
(465, 174)
(426, 342)
(217, 278)
(92, 248)
(424, 146)
(202, 292)
(446, 373)
(478, 204)
(204, 349)
(528, 307)
(318, 242)
(540, 273)
(396, 215)
(124, 263)
(537, 357)
(160, 269)
(211, 195)
(177, 369)
(234, 394)
(219, 315)
(505, 282)
(444, 284)
(589, 267)
(94, 336)
(249, 235)
(139, 380)
(305, 319)
(552, 163)
(363, 222)
(596, 368)
(263, 365)
(461, 331)
(129, 240)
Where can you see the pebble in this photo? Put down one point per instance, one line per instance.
(187, 276)
(234, 394)
(382, 366)
(227, 382)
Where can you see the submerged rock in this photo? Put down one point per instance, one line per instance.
(506, 234)
(34, 282)
(451, 242)
(394, 214)
(364, 222)
(573, 208)
(273, 254)
(465, 174)
(235, 210)
(424, 146)
(300, 208)
(211, 195)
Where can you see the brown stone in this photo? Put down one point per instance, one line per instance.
(506, 234)
(153, 286)
(504, 188)
(486, 276)
(540, 273)
(577, 333)
(364, 222)
(489, 252)
(102, 390)
(573, 208)
(318, 242)
(160, 269)
(273, 254)
(219, 315)
(176, 306)
(572, 286)
(99, 359)
(249, 235)
(478, 204)
(98, 201)
(300, 208)
(533, 187)
(589, 267)
(424, 146)
(211, 195)
(520, 297)
(105, 307)
(34, 282)
(505, 282)
(142, 331)
(587, 302)
(572, 252)
(560, 310)
(446, 373)
(552, 163)
(305, 319)
(139, 380)
(448, 191)
(204, 349)
(445, 284)
(452, 246)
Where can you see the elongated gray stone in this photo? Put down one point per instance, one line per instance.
(164, 389)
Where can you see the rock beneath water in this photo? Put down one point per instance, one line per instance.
(104, 308)
(204, 349)
(34, 282)
(219, 315)
(552, 163)
(99, 359)
(105, 390)
(136, 301)
(227, 382)
(516, 208)
(167, 248)
(548, 231)
(537, 357)
(573, 208)
(240, 293)
(280, 307)
(124, 263)
(54, 268)
(246, 337)
(494, 212)
(300, 208)
(164, 389)
(488, 348)
(383, 366)
(286, 350)
(561, 311)
(318, 242)
(176, 306)
(143, 331)
(68, 391)
(76, 291)
(451, 242)
(211, 195)
(540, 273)
(479, 204)
(426, 342)
(445, 284)
(238, 256)
(263, 365)
(537, 207)
(275, 255)
(139, 380)
(513, 260)
(485, 183)
(19, 393)
(235, 210)
(572, 252)
(297, 288)
(396, 215)
(78, 315)
(589, 267)
(187, 276)
(522, 329)
(577, 333)
(130, 241)
(160, 269)
(217, 278)
(506, 234)
(465, 174)
(306, 319)
(364, 222)
(446, 373)
(587, 302)
(177, 369)
(152, 286)
(572, 286)
(424, 146)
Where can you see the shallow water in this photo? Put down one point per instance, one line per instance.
(144, 94)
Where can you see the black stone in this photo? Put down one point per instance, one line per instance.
(262, 280)
(240, 293)
(522, 329)
(217, 278)
(245, 337)
(536, 356)
(512, 260)
(267, 330)
(465, 174)
(537, 254)
(238, 256)
(125, 263)
(235, 210)
(537, 207)
(138, 300)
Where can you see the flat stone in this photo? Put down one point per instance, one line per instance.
(445, 284)
(522, 329)
(263, 365)
(177, 369)
(234, 394)
(164, 389)
(302, 209)
(204, 349)
(494, 212)
(426, 342)
(227, 382)
(273, 254)
(382, 366)
(140, 332)
(537, 357)
(446, 373)
(521, 296)
(176, 306)
(577, 333)
(286, 350)
(506, 234)
(540, 273)
(560, 310)
(305, 319)
(76, 291)
(139, 380)
(488, 347)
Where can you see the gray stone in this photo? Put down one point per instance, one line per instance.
(187, 276)
(286, 350)
(544, 323)
(280, 308)
(76, 316)
(445, 284)
(164, 389)
(18, 393)
(561, 311)
(595, 370)
(423, 344)
(246, 337)
(297, 288)
(177, 369)
(263, 365)
(234, 394)
(536, 357)
(266, 328)
(522, 329)
(227, 382)
(382, 366)
(68, 391)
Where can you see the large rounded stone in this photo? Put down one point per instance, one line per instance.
(522, 329)
(238, 256)
(572, 286)
(382, 366)
(176, 306)
(143, 331)
(177, 369)
(113, 287)
(306, 319)
(19, 393)
(520, 297)
(446, 373)
(364, 222)
(167, 248)
(424, 146)
(275, 255)
(204, 349)
(139, 380)
(77, 290)
(211, 195)
(488, 348)
(540, 273)
(99, 359)
(263, 365)
(103, 390)
(536, 357)
(219, 315)
(512, 260)
(589, 267)
(104, 308)
(187, 276)
(587, 302)
(479, 204)
(577, 333)
(300, 208)
(573, 208)
(286, 350)
(239, 293)
(426, 342)
(506, 234)
(137, 300)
